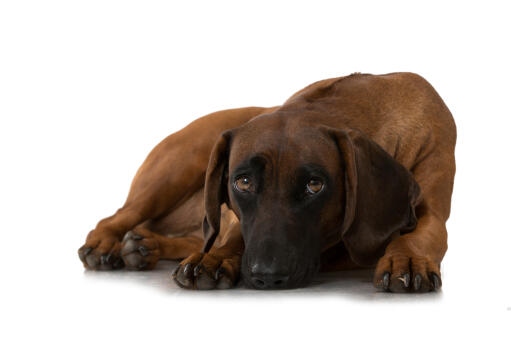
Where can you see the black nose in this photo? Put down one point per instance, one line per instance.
(267, 279)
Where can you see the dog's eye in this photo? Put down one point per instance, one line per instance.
(314, 186)
(244, 184)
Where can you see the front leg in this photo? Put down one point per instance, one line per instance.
(411, 262)
(219, 268)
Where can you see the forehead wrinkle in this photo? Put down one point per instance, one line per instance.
(246, 163)
(260, 136)
(246, 149)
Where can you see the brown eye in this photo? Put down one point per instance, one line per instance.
(243, 184)
(314, 186)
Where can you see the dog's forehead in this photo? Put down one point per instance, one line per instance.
(291, 144)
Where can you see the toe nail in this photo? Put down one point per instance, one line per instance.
(219, 273)
(87, 251)
(386, 280)
(187, 269)
(105, 259)
(137, 237)
(92, 261)
(142, 265)
(406, 280)
(118, 264)
(417, 282)
(174, 272)
(143, 251)
(436, 281)
(127, 236)
(197, 270)
(81, 255)
(129, 246)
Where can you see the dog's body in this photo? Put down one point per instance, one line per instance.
(359, 146)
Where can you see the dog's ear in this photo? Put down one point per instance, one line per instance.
(380, 197)
(215, 189)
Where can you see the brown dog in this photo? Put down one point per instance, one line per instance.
(352, 171)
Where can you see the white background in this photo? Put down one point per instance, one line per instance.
(88, 88)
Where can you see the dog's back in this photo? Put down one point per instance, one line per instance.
(400, 111)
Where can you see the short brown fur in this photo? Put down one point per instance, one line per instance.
(164, 211)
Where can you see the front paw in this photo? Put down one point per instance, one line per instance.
(205, 271)
(406, 272)
(101, 251)
(139, 250)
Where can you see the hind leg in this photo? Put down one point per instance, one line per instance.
(411, 263)
(141, 248)
(171, 174)
(101, 250)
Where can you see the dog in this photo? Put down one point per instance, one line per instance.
(349, 172)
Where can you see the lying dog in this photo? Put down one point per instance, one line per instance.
(348, 172)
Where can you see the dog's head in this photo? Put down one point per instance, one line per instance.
(299, 189)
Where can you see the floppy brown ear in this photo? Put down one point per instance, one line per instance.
(215, 189)
(381, 196)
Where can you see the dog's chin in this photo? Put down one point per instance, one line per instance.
(298, 279)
